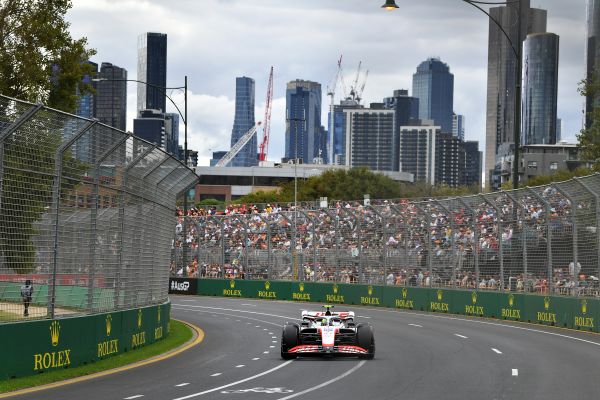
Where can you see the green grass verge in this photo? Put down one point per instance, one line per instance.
(180, 333)
(8, 316)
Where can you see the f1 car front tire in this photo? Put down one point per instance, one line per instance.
(366, 340)
(289, 339)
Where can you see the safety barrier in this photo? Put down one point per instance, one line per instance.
(41, 346)
(567, 312)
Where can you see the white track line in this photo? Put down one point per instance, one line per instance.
(461, 336)
(216, 374)
(237, 382)
(256, 358)
(134, 397)
(329, 382)
(182, 384)
(496, 351)
(515, 372)
(265, 352)
(232, 315)
(240, 366)
(417, 325)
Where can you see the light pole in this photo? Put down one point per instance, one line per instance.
(296, 120)
(185, 143)
(391, 5)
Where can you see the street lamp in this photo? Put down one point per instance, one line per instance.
(516, 48)
(185, 143)
(296, 176)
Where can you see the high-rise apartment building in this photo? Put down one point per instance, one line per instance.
(111, 96)
(406, 112)
(458, 126)
(418, 152)
(368, 137)
(592, 53)
(433, 85)
(500, 117)
(339, 129)
(172, 132)
(243, 122)
(305, 137)
(473, 164)
(152, 69)
(540, 89)
(151, 125)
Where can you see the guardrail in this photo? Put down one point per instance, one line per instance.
(567, 312)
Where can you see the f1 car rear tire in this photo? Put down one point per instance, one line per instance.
(289, 340)
(365, 339)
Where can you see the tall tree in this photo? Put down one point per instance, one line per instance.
(589, 137)
(39, 60)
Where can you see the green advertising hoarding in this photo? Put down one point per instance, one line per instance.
(47, 345)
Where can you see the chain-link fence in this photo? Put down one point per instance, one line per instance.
(538, 240)
(86, 215)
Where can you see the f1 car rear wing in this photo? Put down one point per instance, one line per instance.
(328, 312)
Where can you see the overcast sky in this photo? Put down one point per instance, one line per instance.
(214, 41)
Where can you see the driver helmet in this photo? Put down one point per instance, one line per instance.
(324, 322)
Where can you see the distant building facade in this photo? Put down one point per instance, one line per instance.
(111, 96)
(243, 122)
(151, 126)
(458, 126)
(592, 53)
(305, 136)
(540, 89)
(152, 69)
(433, 85)
(418, 152)
(406, 112)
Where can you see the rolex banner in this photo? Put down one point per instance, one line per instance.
(48, 345)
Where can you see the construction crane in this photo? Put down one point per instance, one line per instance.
(361, 89)
(264, 144)
(331, 88)
(235, 149)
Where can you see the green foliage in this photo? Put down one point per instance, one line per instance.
(209, 202)
(39, 61)
(28, 176)
(558, 176)
(589, 138)
(274, 196)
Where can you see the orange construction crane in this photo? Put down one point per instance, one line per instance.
(264, 144)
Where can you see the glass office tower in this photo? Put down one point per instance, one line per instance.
(433, 85)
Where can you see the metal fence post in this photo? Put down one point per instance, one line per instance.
(548, 208)
(221, 224)
(452, 241)
(516, 206)
(94, 217)
(314, 243)
(575, 233)
(596, 196)
(56, 191)
(428, 227)
(498, 212)
(384, 240)
(475, 241)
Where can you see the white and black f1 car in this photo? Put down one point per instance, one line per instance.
(327, 333)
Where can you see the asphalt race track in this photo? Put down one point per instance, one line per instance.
(419, 356)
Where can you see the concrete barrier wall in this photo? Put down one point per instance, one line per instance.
(567, 312)
(34, 347)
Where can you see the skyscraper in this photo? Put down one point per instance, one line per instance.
(152, 69)
(592, 52)
(433, 85)
(339, 129)
(500, 118)
(458, 126)
(540, 89)
(368, 138)
(151, 126)
(303, 133)
(111, 96)
(406, 112)
(243, 121)
(418, 152)
(86, 102)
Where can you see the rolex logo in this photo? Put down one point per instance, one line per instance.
(54, 332)
(158, 315)
(583, 307)
(267, 285)
(474, 297)
(404, 293)
(108, 324)
(139, 319)
(546, 302)
(232, 283)
(335, 288)
(370, 290)
(511, 300)
(440, 294)
(301, 286)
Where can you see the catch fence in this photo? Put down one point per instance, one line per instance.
(535, 240)
(86, 214)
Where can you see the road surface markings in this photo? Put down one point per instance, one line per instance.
(515, 372)
(238, 382)
(182, 384)
(265, 352)
(240, 366)
(417, 325)
(134, 397)
(216, 374)
(329, 382)
(265, 329)
(270, 333)
(274, 341)
(460, 336)
(257, 326)
(496, 351)
(273, 337)
(272, 347)
(256, 358)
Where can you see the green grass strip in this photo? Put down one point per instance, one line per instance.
(180, 334)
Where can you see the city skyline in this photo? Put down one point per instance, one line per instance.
(212, 62)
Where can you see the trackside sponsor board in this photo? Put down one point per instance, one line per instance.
(183, 286)
(50, 345)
